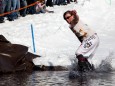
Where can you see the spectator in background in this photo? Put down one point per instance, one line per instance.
(49, 3)
(23, 3)
(15, 6)
(5, 6)
(60, 2)
(68, 1)
(1, 11)
(41, 7)
(32, 9)
(75, 1)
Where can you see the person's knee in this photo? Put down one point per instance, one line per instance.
(80, 57)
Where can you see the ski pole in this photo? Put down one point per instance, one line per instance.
(33, 41)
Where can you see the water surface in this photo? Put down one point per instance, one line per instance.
(57, 78)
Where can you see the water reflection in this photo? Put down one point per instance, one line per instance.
(17, 79)
(56, 78)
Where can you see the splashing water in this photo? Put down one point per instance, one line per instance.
(105, 65)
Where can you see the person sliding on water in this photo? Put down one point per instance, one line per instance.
(88, 38)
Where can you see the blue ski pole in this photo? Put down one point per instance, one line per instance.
(32, 32)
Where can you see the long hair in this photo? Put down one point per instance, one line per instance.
(74, 13)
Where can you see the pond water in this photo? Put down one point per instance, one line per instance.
(57, 78)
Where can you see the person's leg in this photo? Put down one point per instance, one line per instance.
(33, 9)
(42, 10)
(17, 13)
(83, 64)
(23, 12)
(14, 4)
(8, 5)
(8, 8)
(2, 9)
(13, 7)
(25, 4)
(18, 7)
(86, 50)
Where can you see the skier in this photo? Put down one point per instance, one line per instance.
(88, 38)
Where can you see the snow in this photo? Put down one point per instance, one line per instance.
(54, 41)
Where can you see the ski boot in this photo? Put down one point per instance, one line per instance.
(83, 64)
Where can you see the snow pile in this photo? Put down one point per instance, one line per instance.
(53, 39)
